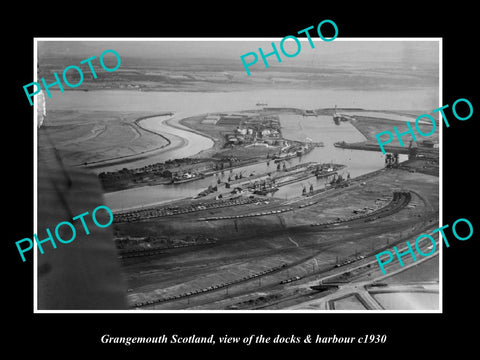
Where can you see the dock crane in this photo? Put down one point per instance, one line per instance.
(311, 188)
(304, 190)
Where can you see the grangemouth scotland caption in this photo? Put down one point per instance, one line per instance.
(261, 192)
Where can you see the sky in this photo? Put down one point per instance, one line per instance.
(339, 51)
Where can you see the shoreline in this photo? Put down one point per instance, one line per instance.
(191, 123)
(174, 142)
(180, 200)
(132, 157)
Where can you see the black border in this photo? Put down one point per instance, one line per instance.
(80, 333)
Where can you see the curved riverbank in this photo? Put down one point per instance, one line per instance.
(124, 159)
(181, 142)
(185, 142)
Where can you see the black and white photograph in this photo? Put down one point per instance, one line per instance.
(262, 180)
(232, 191)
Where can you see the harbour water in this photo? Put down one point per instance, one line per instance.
(294, 127)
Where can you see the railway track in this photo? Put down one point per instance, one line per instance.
(155, 212)
(358, 262)
(125, 254)
(399, 201)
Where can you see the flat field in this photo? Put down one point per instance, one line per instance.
(88, 137)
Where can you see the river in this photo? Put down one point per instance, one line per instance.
(204, 102)
(294, 127)
(184, 143)
(185, 104)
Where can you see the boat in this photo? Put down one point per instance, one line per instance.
(291, 155)
(336, 116)
(283, 157)
(338, 181)
(340, 117)
(321, 174)
(209, 190)
(184, 179)
(327, 170)
(266, 191)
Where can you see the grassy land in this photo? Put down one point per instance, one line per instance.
(370, 127)
(254, 244)
(91, 136)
